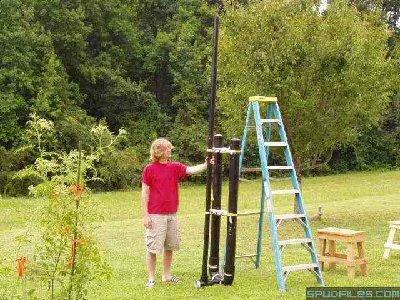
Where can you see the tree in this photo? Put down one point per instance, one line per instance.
(190, 61)
(22, 49)
(103, 53)
(390, 9)
(378, 146)
(58, 99)
(329, 72)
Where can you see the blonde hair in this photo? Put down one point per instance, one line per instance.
(158, 147)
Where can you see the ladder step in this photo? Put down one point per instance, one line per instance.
(263, 99)
(300, 267)
(294, 241)
(289, 216)
(280, 167)
(251, 169)
(284, 192)
(275, 144)
(271, 120)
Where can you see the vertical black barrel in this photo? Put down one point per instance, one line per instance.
(204, 274)
(216, 204)
(229, 271)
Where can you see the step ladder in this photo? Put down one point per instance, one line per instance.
(264, 132)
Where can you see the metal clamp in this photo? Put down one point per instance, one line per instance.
(223, 150)
(220, 212)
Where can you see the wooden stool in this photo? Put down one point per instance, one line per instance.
(355, 240)
(391, 243)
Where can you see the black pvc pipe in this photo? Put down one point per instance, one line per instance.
(213, 266)
(229, 270)
(211, 123)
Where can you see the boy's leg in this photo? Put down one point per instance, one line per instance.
(172, 243)
(155, 238)
(151, 265)
(167, 260)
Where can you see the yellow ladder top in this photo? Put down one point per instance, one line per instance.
(263, 99)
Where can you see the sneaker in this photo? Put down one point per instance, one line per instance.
(173, 279)
(150, 284)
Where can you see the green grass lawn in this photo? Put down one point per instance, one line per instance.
(359, 201)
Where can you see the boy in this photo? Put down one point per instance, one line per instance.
(160, 199)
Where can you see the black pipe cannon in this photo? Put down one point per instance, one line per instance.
(216, 212)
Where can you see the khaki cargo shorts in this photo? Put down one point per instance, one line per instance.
(163, 234)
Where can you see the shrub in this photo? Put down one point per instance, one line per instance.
(119, 169)
(12, 161)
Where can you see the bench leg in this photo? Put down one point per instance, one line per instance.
(361, 254)
(322, 249)
(389, 241)
(332, 253)
(351, 269)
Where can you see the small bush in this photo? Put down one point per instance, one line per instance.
(11, 162)
(19, 186)
(118, 170)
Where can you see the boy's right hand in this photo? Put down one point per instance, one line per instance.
(147, 222)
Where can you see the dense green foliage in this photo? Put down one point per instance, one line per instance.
(145, 66)
(139, 65)
(329, 71)
(378, 147)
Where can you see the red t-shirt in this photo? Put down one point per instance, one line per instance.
(163, 180)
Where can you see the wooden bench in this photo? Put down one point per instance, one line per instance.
(355, 244)
(391, 243)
